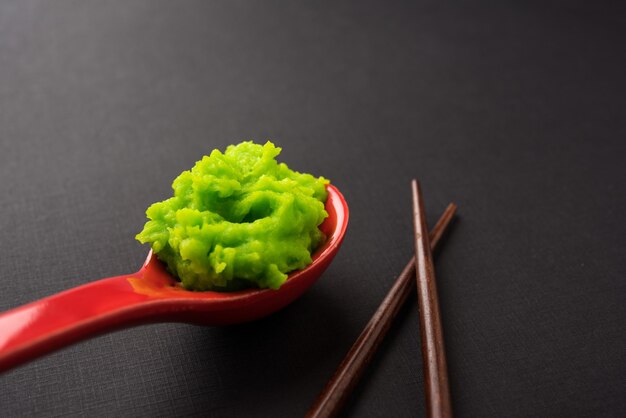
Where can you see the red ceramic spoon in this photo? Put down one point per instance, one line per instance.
(153, 295)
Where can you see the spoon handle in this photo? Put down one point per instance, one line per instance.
(45, 325)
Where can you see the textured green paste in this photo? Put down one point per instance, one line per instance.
(238, 219)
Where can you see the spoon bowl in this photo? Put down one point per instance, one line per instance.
(153, 295)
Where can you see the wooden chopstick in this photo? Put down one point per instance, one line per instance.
(339, 387)
(438, 403)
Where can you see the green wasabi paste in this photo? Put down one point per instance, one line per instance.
(238, 219)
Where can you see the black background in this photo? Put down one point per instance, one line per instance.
(515, 111)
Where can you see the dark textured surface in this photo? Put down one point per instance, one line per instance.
(517, 113)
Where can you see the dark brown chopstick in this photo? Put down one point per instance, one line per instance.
(339, 387)
(438, 403)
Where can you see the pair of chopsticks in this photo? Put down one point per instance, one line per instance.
(438, 404)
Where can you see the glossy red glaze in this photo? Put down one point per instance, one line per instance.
(153, 295)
